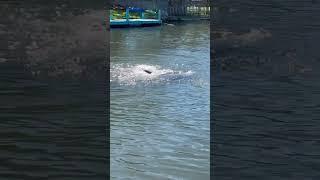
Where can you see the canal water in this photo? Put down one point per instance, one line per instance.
(160, 121)
(52, 91)
(266, 90)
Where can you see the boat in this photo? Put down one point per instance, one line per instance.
(134, 17)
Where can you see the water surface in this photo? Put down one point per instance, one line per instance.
(266, 90)
(52, 97)
(160, 121)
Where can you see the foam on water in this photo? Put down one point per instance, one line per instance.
(125, 74)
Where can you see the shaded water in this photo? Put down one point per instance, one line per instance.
(52, 97)
(160, 121)
(266, 94)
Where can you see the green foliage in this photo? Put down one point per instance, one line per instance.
(121, 14)
(118, 14)
(134, 15)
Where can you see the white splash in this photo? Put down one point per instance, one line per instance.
(132, 74)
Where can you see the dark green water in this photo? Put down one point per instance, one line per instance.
(52, 92)
(266, 90)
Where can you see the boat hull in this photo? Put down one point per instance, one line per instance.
(135, 23)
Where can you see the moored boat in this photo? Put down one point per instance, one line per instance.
(134, 17)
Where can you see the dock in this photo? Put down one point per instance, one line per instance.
(139, 20)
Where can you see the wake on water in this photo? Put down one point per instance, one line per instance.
(125, 74)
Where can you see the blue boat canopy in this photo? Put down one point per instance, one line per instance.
(134, 9)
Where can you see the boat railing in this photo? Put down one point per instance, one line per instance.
(134, 13)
